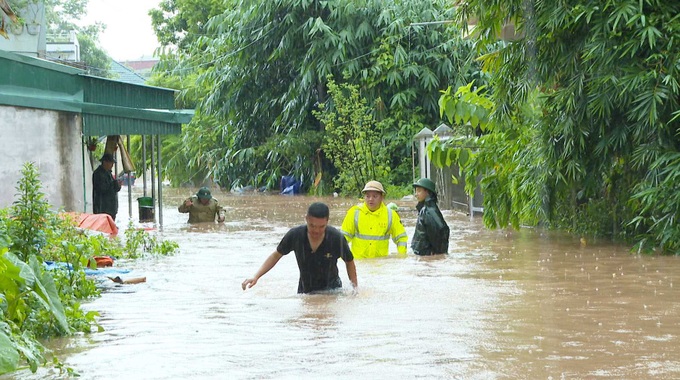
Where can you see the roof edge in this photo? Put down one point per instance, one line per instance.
(69, 104)
(39, 62)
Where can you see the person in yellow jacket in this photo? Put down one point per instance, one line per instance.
(369, 226)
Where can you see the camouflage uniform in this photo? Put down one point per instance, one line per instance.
(200, 213)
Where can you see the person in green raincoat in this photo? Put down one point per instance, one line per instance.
(431, 236)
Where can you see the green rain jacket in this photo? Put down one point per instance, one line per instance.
(432, 233)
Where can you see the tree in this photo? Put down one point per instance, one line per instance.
(608, 78)
(262, 68)
(95, 60)
(352, 139)
(62, 15)
(179, 23)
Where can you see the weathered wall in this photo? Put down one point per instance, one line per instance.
(52, 140)
(29, 36)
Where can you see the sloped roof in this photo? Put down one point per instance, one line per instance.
(125, 74)
(141, 64)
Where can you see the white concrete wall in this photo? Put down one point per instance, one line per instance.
(52, 140)
(27, 38)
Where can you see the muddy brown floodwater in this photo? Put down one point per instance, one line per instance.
(501, 305)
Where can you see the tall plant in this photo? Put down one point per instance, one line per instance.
(29, 213)
(37, 303)
(352, 138)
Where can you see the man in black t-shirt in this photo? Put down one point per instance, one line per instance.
(317, 248)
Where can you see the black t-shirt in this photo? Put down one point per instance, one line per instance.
(319, 269)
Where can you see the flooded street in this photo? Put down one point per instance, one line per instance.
(501, 305)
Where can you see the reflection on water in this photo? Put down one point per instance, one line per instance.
(501, 305)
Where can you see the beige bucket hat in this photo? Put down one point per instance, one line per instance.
(373, 186)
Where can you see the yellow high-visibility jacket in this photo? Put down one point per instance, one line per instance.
(368, 232)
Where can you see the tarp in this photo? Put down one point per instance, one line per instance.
(52, 265)
(290, 185)
(95, 222)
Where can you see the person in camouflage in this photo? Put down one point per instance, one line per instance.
(202, 207)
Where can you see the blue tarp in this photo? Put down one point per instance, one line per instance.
(51, 265)
(290, 185)
(106, 271)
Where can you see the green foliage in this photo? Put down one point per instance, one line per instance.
(63, 15)
(659, 223)
(180, 22)
(29, 295)
(352, 139)
(139, 243)
(466, 107)
(36, 303)
(9, 354)
(506, 161)
(24, 288)
(95, 60)
(260, 70)
(29, 213)
(63, 369)
(40, 285)
(608, 75)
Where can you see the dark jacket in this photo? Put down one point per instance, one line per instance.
(104, 192)
(432, 233)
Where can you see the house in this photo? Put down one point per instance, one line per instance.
(63, 47)
(49, 112)
(142, 66)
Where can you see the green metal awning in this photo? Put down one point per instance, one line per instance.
(108, 107)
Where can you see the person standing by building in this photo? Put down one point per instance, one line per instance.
(317, 248)
(105, 188)
(202, 207)
(369, 226)
(431, 236)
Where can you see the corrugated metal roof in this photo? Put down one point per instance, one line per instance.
(108, 107)
(98, 125)
(106, 91)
